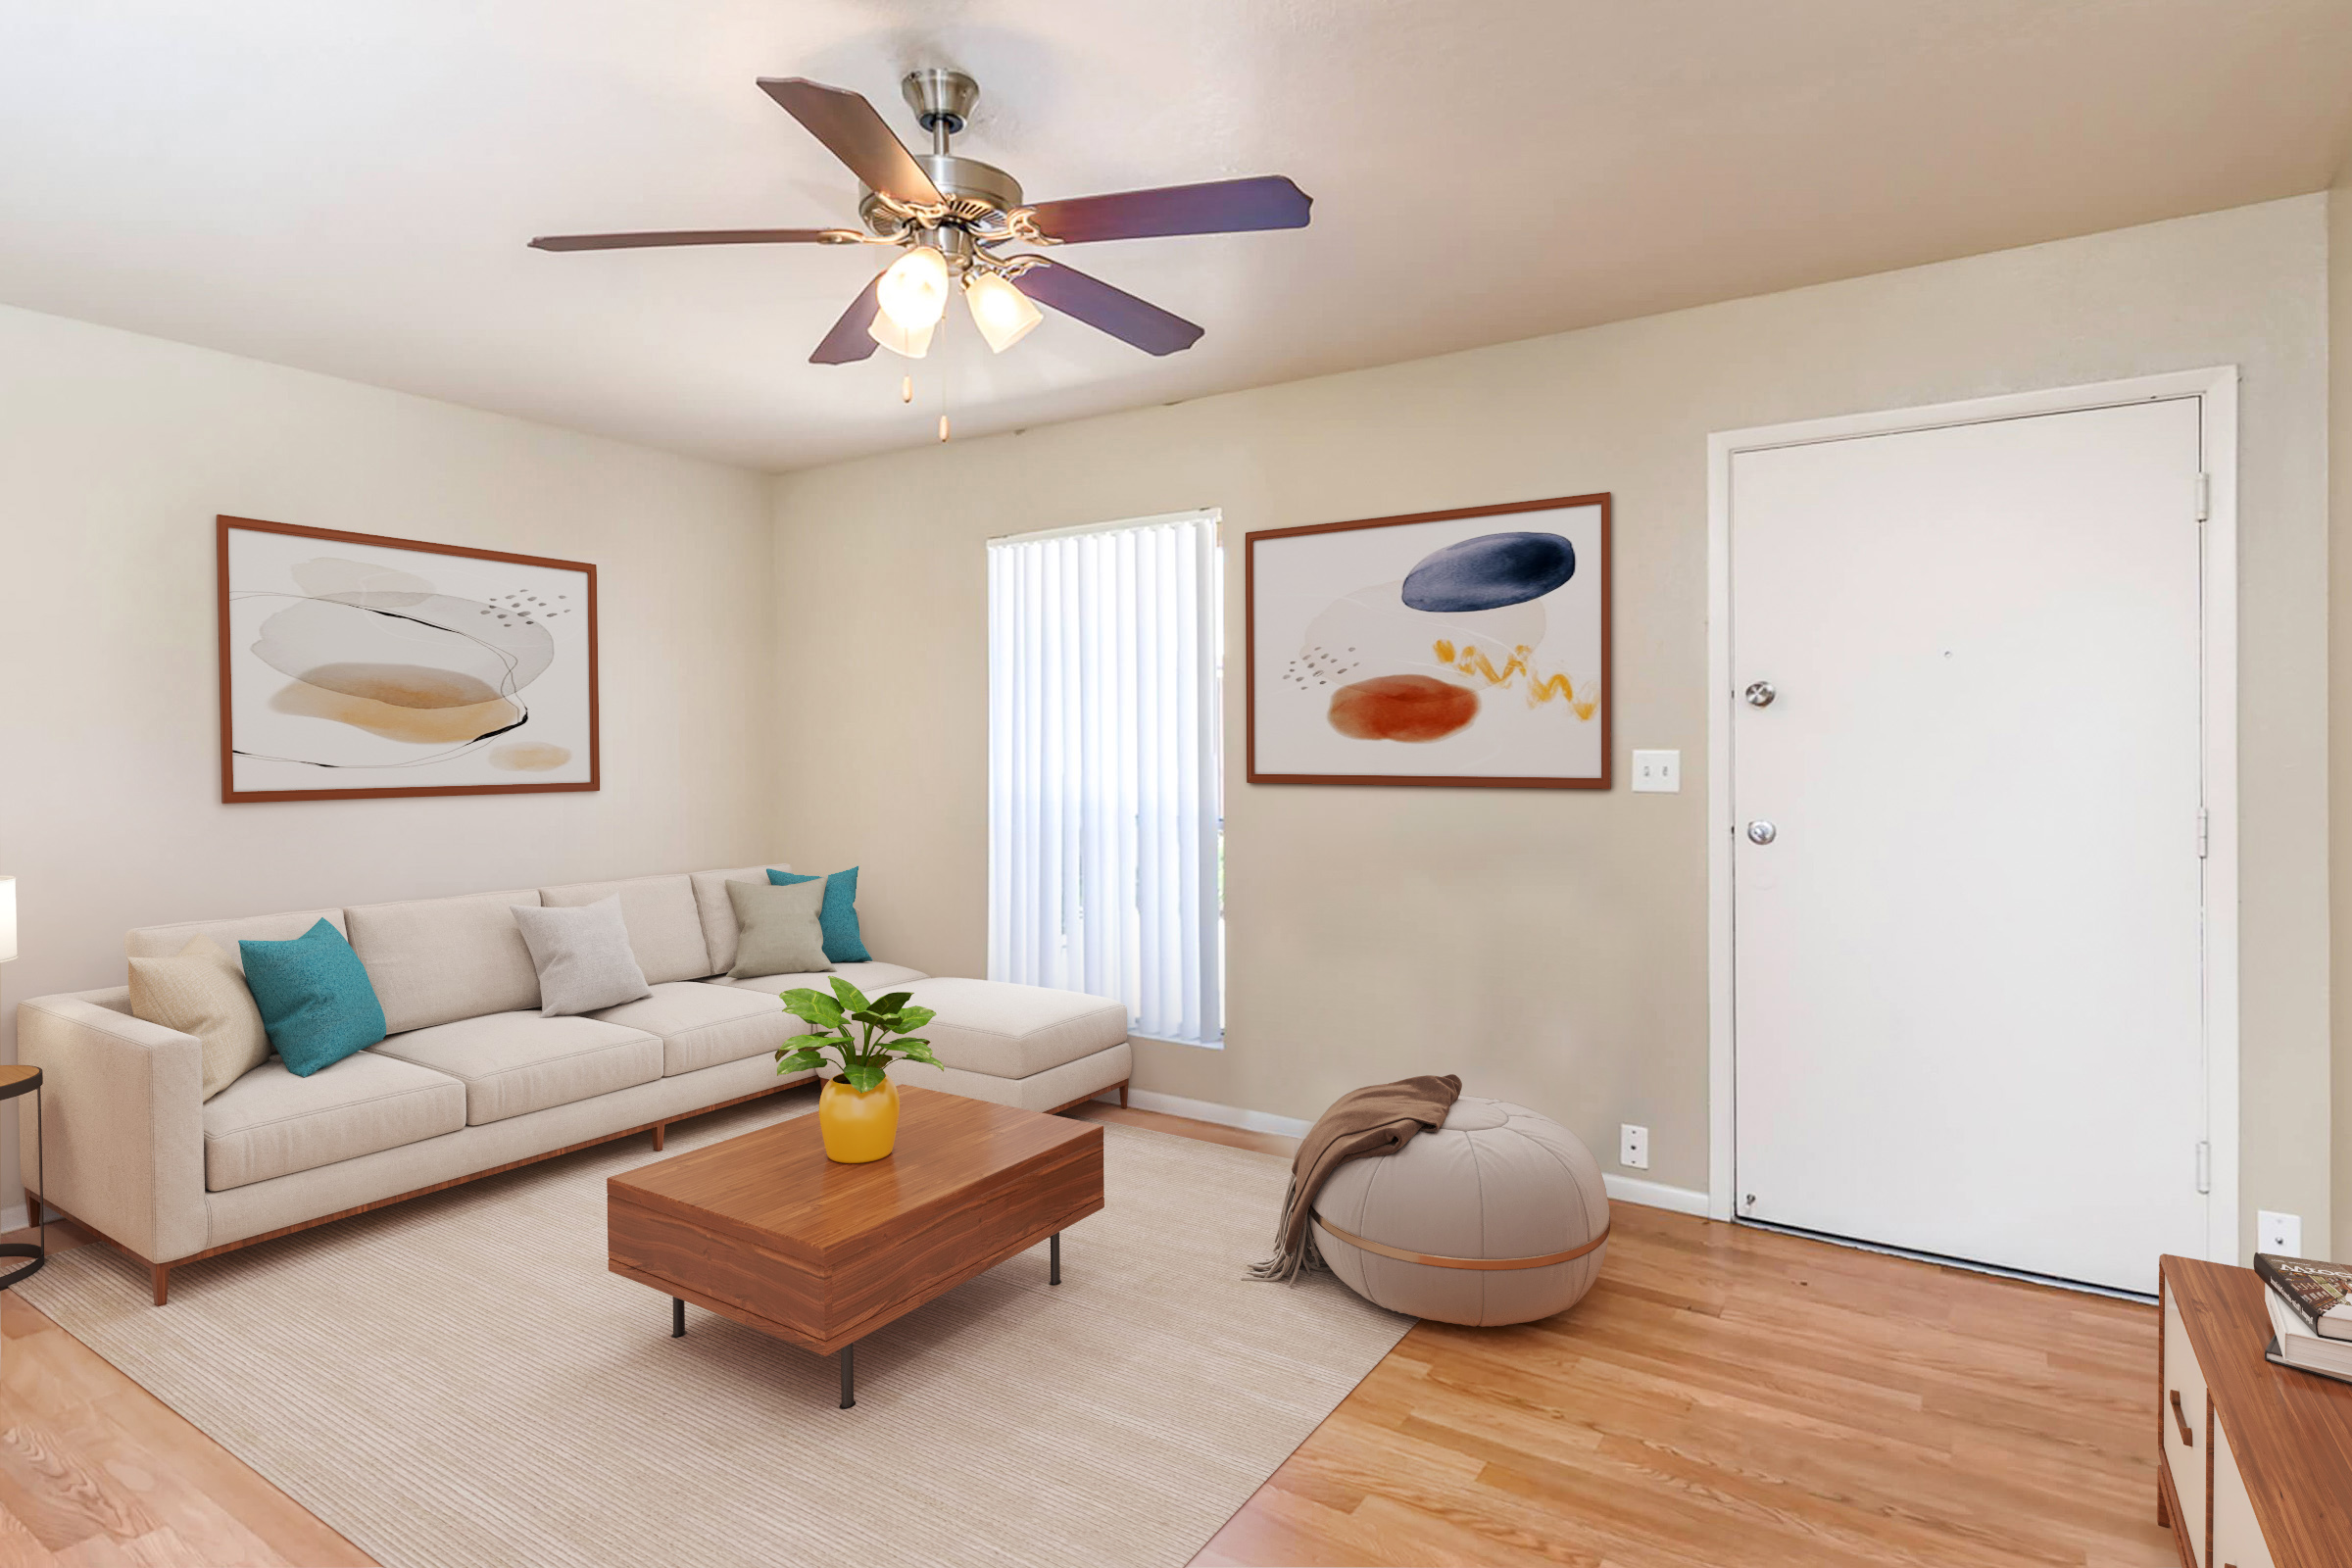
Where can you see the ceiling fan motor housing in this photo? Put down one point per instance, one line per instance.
(942, 100)
(939, 97)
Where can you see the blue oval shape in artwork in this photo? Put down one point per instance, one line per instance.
(1489, 571)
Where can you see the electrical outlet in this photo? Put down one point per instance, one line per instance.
(1632, 1146)
(2279, 1233)
(1658, 772)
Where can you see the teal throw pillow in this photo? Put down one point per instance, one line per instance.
(316, 1000)
(839, 917)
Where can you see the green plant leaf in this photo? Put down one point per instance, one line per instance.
(864, 1076)
(852, 999)
(922, 1053)
(894, 1002)
(815, 1006)
(802, 1060)
(915, 1017)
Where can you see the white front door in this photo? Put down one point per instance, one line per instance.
(1967, 958)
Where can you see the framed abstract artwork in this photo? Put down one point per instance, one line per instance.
(1443, 648)
(354, 666)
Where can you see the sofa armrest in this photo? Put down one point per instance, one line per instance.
(123, 1121)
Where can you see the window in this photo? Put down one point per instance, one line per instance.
(1106, 801)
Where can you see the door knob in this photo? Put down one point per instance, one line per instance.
(1759, 693)
(1761, 832)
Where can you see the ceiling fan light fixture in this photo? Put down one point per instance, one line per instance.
(1001, 311)
(897, 339)
(914, 293)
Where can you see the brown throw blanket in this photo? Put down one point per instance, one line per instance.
(1378, 1120)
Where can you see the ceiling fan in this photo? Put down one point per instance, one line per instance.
(952, 217)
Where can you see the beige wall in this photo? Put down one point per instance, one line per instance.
(115, 451)
(2339, 654)
(1552, 947)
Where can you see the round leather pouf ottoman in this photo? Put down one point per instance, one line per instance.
(1497, 1216)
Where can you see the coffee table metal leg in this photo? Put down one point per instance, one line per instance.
(849, 1375)
(677, 1318)
(1053, 1265)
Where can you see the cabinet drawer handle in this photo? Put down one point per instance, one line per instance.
(2189, 1439)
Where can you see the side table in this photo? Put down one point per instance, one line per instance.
(16, 1082)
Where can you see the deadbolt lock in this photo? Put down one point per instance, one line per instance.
(1759, 693)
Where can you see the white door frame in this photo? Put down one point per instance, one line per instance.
(2216, 387)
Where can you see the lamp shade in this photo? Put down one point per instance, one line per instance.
(1004, 313)
(8, 918)
(898, 340)
(914, 291)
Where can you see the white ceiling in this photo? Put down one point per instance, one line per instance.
(348, 188)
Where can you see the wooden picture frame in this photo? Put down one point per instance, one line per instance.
(1310, 677)
(345, 727)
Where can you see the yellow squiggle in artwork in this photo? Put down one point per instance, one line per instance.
(1539, 689)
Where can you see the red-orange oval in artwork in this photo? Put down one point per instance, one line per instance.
(1402, 707)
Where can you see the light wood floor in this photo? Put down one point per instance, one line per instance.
(1726, 1397)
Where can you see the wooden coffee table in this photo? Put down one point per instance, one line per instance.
(767, 1230)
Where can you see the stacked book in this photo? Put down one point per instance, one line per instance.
(2311, 1313)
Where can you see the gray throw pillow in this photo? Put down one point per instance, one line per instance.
(781, 932)
(583, 957)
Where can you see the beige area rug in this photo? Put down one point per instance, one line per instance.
(459, 1380)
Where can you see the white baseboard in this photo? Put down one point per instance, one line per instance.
(1257, 1121)
(15, 1218)
(1623, 1188)
(1654, 1194)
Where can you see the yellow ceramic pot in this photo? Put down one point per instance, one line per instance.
(858, 1127)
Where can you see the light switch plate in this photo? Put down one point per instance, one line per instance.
(1632, 1146)
(1658, 772)
(2281, 1233)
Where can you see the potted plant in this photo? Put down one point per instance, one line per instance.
(857, 1112)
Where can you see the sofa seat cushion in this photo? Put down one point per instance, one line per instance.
(874, 979)
(707, 1026)
(271, 1123)
(1011, 1031)
(513, 1063)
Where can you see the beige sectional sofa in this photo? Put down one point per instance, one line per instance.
(471, 1079)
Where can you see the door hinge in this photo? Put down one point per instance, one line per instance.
(2204, 497)
(2204, 831)
(2204, 1167)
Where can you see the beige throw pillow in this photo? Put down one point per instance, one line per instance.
(781, 934)
(201, 992)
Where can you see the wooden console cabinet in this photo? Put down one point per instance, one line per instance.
(2255, 1467)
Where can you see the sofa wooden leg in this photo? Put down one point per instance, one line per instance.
(1122, 1095)
(661, 1135)
(163, 1282)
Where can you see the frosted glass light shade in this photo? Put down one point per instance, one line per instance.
(8, 918)
(914, 293)
(1001, 311)
(896, 338)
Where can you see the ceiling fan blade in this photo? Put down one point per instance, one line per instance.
(849, 341)
(1220, 206)
(1110, 309)
(695, 236)
(854, 133)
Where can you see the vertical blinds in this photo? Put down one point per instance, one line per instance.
(1104, 800)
